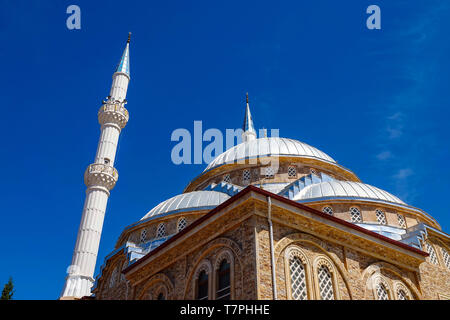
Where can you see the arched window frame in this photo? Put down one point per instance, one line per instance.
(225, 254)
(320, 261)
(159, 233)
(352, 214)
(376, 281)
(246, 176)
(143, 235)
(206, 266)
(296, 251)
(431, 250)
(113, 277)
(381, 216)
(181, 226)
(445, 257)
(400, 286)
(162, 289)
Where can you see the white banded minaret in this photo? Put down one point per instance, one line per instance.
(100, 177)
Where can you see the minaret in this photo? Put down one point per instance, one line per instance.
(100, 177)
(248, 128)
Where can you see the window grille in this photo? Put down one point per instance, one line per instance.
(227, 178)
(446, 257)
(401, 295)
(325, 283)
(246, 176)
(381, 218)
(298, 279)
(401, 221)
(355, 215)
(432, 254)
(292, 171)
(270, 172)
(328, 210)
(223, 283)
(381, 292)
(181, 224)
(313, 171)
(161, 231)
(143, 235)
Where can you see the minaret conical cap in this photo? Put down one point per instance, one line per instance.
(124, 64)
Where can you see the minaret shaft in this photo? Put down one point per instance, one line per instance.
(100, 177)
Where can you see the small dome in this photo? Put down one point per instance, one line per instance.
(272, 146)
(196, 200)
(345, 189)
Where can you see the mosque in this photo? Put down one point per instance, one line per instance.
(306, 228)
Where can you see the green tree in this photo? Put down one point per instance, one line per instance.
(8, 290)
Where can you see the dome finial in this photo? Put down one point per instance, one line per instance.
(246, 97)
(129, 36)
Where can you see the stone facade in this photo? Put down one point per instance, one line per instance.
(359, 261)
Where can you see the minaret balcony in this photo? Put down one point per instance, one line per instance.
(113, 112)
(103, 175)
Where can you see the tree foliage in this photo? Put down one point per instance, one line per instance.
(8, 290)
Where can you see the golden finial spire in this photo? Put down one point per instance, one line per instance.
(129, 36)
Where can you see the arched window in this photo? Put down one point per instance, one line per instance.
(161, 230)
(202, 286)
(143, 235)
(355, 215)
(292, 172)
(246, 176)
(446, 257)
(161, 296)
(325, 283)
(112, 280)
(223, 281)
(381, 291)
(328, 210)
(401, 220)
(227, 178)
(298, 278)
(432, 254)
(181, 224)
(381, 218)
(269, 172)
(402, 295)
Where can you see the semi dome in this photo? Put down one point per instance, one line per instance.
(345, 189)
(271, 146)
(190, 201)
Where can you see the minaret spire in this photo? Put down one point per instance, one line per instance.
(248, 128)
(100, 178)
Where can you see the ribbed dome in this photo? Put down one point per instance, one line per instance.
(345, 189)
(196, 200)
(272, 146)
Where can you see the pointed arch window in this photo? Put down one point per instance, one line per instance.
(325, 283)
(381, 291)
(246, 176)
(401, 220)
(227, 178)
(223, 281)
(182, 223)
(161, 230)
(446, 257)
(432, 254)
(202, 286)
(143, 235)
(381, 217)
(292, 172)
(298, 278)
(355, 215)
(402, 295)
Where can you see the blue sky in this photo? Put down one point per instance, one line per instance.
(374, 100)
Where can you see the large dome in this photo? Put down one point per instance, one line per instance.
(190, 201)
(272, 146)
(345, 189)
